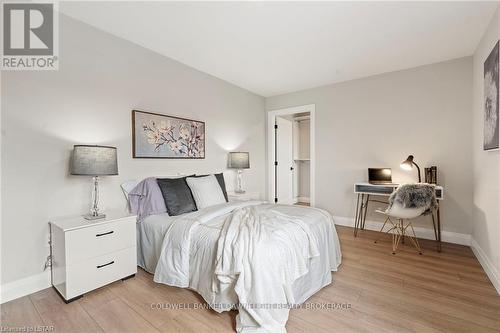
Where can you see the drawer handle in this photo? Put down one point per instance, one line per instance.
(104, 234)
(109, 263)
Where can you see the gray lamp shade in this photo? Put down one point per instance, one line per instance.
(239, 160)
(94, 161)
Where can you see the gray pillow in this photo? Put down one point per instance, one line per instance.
(177, 195)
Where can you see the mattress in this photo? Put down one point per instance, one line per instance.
(151, 233)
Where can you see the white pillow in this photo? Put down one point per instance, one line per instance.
(206, 191)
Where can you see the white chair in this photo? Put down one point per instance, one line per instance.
(403, 215)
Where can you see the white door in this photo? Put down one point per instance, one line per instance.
(284, 154)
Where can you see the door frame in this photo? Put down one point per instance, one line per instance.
(271, 117)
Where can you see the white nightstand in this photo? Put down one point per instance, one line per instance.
(87, 255)
(247, 196)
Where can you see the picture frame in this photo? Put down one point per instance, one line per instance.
(491, 127)
(156, 135)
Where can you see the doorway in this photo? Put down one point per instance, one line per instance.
(291, 155)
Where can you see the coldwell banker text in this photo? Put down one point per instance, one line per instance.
(30, 33)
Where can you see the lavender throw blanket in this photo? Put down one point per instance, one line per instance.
(146, 199)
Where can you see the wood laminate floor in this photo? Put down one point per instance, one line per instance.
(380, 292)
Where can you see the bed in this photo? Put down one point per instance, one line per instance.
(259, 258)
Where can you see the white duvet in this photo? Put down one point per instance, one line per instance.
(264, 258)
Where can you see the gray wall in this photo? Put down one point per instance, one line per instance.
(486, 209)
(101, 78)
(377, 121)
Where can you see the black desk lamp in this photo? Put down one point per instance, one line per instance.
(408, 165)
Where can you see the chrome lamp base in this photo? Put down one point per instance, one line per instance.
(239, 188)
(92, 217)
(94, 211)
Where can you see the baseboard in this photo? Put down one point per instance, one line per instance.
(489, 268)
(25, 286)
(288, 202)
(304, 199)
(446, 236)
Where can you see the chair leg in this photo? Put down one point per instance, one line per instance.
(390, 230)
(396, 237)
(402, 232)
(414, 238)
(398, 233)
(393, 243)
(381, 229)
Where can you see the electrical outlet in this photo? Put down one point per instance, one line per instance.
(48, 262)
(47, 243)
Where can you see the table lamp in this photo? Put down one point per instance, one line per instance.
(408, 165)
(94, 161)
(239, 161)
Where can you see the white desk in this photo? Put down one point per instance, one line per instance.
(365, 190)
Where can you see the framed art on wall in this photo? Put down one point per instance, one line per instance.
(491, 99)
(157, 135)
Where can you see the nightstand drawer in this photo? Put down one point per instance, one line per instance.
(97, 240)
(99, 271)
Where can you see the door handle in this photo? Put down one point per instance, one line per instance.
(292, 168)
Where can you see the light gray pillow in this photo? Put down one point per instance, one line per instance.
(206, 191)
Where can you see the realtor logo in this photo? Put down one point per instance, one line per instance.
(29, 36)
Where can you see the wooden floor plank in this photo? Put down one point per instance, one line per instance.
(64, 317)
(20, 313)
(406, 292)
(117, 316)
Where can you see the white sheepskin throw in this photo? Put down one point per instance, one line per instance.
(415, 196)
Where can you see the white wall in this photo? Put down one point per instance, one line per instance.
(296, 173)
(304, 139)
(486, 186)
(377, 121)
(301, 147)
(101, 78)
(303, 167)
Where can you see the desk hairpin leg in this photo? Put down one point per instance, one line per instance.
(356, 217)
(434, 226)
(439, 228)
(360, 217)
(359, 213)
(366, 209)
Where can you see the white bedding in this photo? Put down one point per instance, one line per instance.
(293, 250)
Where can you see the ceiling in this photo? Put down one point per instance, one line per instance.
(272, 48)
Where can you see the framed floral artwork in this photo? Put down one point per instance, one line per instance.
(491, 101)
(157, 135)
